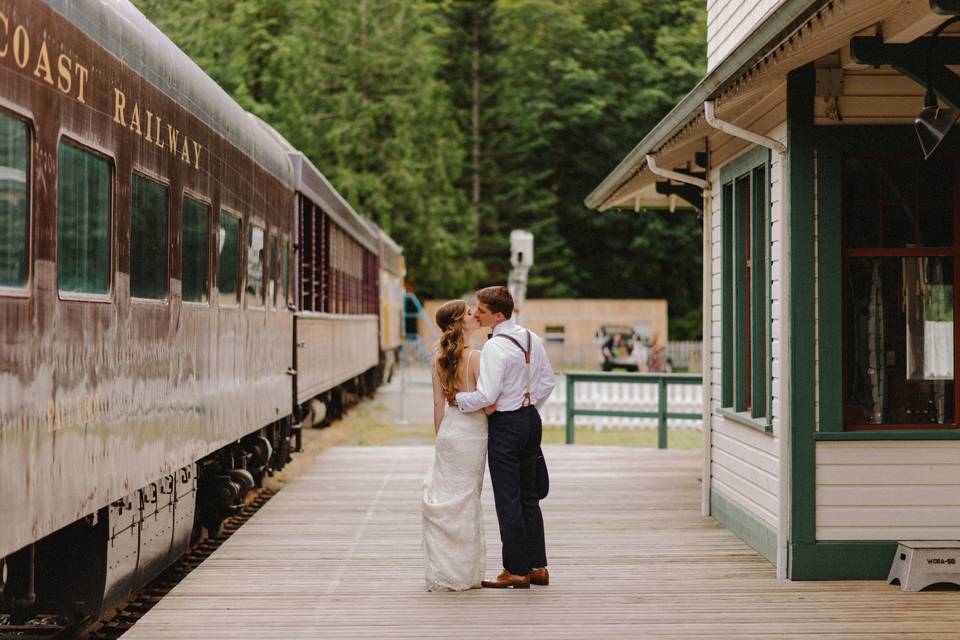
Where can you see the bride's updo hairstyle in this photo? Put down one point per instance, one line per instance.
(450, 320)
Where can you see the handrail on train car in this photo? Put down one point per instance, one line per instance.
(662, 414)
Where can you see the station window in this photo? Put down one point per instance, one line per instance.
(745, 219)
(554, 333)
(196, 222)
(83, 220)
(900, 258)
(256, 260)
(228, 258)
(148, 238)
(14, 203)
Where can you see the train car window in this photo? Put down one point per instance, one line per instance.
(256, 248)
(273, 287)
(228, 260)
(83, 220)
(284, 273)
(14, 205)
(148, 238)
(196, 222)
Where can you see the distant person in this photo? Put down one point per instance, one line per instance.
(611, 349)
(657, 360)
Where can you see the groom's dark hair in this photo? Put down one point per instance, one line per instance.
(497, 299)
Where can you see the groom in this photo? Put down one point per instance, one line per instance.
(514, 431)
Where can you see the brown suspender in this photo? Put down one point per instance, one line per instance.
(526, 358)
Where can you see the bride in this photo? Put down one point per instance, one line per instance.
(453, 543)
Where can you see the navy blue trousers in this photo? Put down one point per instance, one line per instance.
(513, 442)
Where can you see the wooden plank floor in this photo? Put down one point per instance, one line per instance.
(336, 554)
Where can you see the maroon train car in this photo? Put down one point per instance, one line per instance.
(147, 304)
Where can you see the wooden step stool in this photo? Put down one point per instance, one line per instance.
(919, 564)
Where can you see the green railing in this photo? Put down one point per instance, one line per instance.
(662, 414)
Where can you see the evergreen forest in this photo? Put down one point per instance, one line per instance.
(451, 122)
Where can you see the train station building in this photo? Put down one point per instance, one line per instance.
(820, 152)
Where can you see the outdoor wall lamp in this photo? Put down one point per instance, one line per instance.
(934, 121)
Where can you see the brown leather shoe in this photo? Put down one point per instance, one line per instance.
(540, 577)
(507, 580)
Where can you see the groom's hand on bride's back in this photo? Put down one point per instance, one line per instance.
(451, 398)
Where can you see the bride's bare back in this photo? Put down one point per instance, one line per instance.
(469, 372)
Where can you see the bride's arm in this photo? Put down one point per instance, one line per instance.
(439, 399)
(474, 375)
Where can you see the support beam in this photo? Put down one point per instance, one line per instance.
(911, 60)
(914, 19)
(686, 192)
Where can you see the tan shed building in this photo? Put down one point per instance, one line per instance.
(569, 326)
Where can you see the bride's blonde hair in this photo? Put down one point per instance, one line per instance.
(450, 347)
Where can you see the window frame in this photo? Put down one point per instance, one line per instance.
(241, 266)
(86, 144)
(745, 259)
(167, 184)
(25, 117)
(249, 300)
(832, 255)
(208, 202)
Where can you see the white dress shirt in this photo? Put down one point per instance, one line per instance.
(503, 374)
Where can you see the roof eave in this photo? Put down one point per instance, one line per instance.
(779, 23)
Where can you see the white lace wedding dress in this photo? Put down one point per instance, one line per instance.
(453, 545)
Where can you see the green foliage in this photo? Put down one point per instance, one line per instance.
(451, 122)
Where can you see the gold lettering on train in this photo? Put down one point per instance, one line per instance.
(149, 125)
(21, 46)
(196, 154)
(5, 21)
(43, 64)
(135, 119)
(68, 69)
(82, 72)
(119, 103)
(156, 137)
(172, 135)
(64, 75)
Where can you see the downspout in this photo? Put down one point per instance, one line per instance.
(783, 514)
(706, 351)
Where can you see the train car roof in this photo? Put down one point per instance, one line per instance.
(120, 28)
(309, 181)
(391, 253)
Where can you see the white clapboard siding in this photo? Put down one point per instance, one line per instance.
(729, 22)
(892, 490)
(745, 465)
(624, 396)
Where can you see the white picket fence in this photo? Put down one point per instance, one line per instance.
(624, 396)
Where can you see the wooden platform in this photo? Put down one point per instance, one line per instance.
(337, 555)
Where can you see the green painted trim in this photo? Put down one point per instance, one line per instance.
(760, 424)
(745, 163)
(801, 418)
(636, 414)
(766, 35)
(829, 282)
(759, 285)
(745, 525)
(891, 434)
(842, 560)
(740, 256)
(638, 378)
(726, 297)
